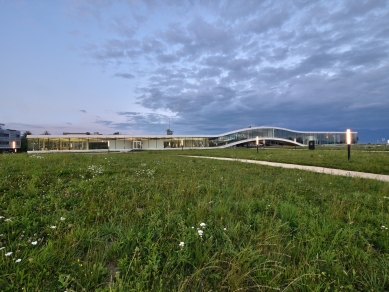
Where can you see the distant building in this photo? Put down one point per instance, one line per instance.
(9, 139)
(68, 133)
(247, 137)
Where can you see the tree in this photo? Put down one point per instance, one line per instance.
(46, 133)
(23, 141)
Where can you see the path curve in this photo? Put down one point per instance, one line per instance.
(318, 169)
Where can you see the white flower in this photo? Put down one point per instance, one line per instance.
(2, 248)
(384, 227)
(200, 232)
(8, 220)
(1, 217)
(62, 218)
(53, 227)
(34, 242)
(8, 254)
(225, 228)
(182, 244)
(192, 227)
(18, 260)
(202, 224)
(384, 198)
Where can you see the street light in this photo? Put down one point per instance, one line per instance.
(348, 140)
(257, 143)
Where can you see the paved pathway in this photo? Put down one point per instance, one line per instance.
(333, 171)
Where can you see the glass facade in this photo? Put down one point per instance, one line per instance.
(245, 137)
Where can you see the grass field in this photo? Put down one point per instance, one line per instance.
(372, 160)
(159, 221)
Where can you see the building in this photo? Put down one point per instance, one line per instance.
(247, 137)
(9, 139)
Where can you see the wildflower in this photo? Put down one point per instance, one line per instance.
(2, 248)
(192, 227)
(34, 242)
(18, 260)
(8, 254)
(53, 227)
(1, 217)
(8, 220)
(202, 224)
(62, 218)
(182, 244)
(384, 227)
(384, 198)
(225, 228)
(200, 232)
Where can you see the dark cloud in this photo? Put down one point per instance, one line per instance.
(135, 121)
(128, 113)
(122, 26)
(298, 64)
(27, 127)
(104, 122)
(124, 75)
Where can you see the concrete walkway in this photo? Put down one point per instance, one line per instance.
(333, 171)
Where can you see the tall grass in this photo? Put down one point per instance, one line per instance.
(114, 222)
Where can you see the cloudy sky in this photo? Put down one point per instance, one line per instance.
(210, 67)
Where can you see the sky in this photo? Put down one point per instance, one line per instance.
(207, 67)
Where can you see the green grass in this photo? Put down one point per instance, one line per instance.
(361, 158)
(267, 229)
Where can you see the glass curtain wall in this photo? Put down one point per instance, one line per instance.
(173, 142)
(74, 143)
(77, 144)
(96, 143)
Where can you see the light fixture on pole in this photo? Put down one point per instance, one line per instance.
(257, 143)
(348, 140)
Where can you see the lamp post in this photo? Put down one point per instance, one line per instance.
(348, 138)
(257, 143)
